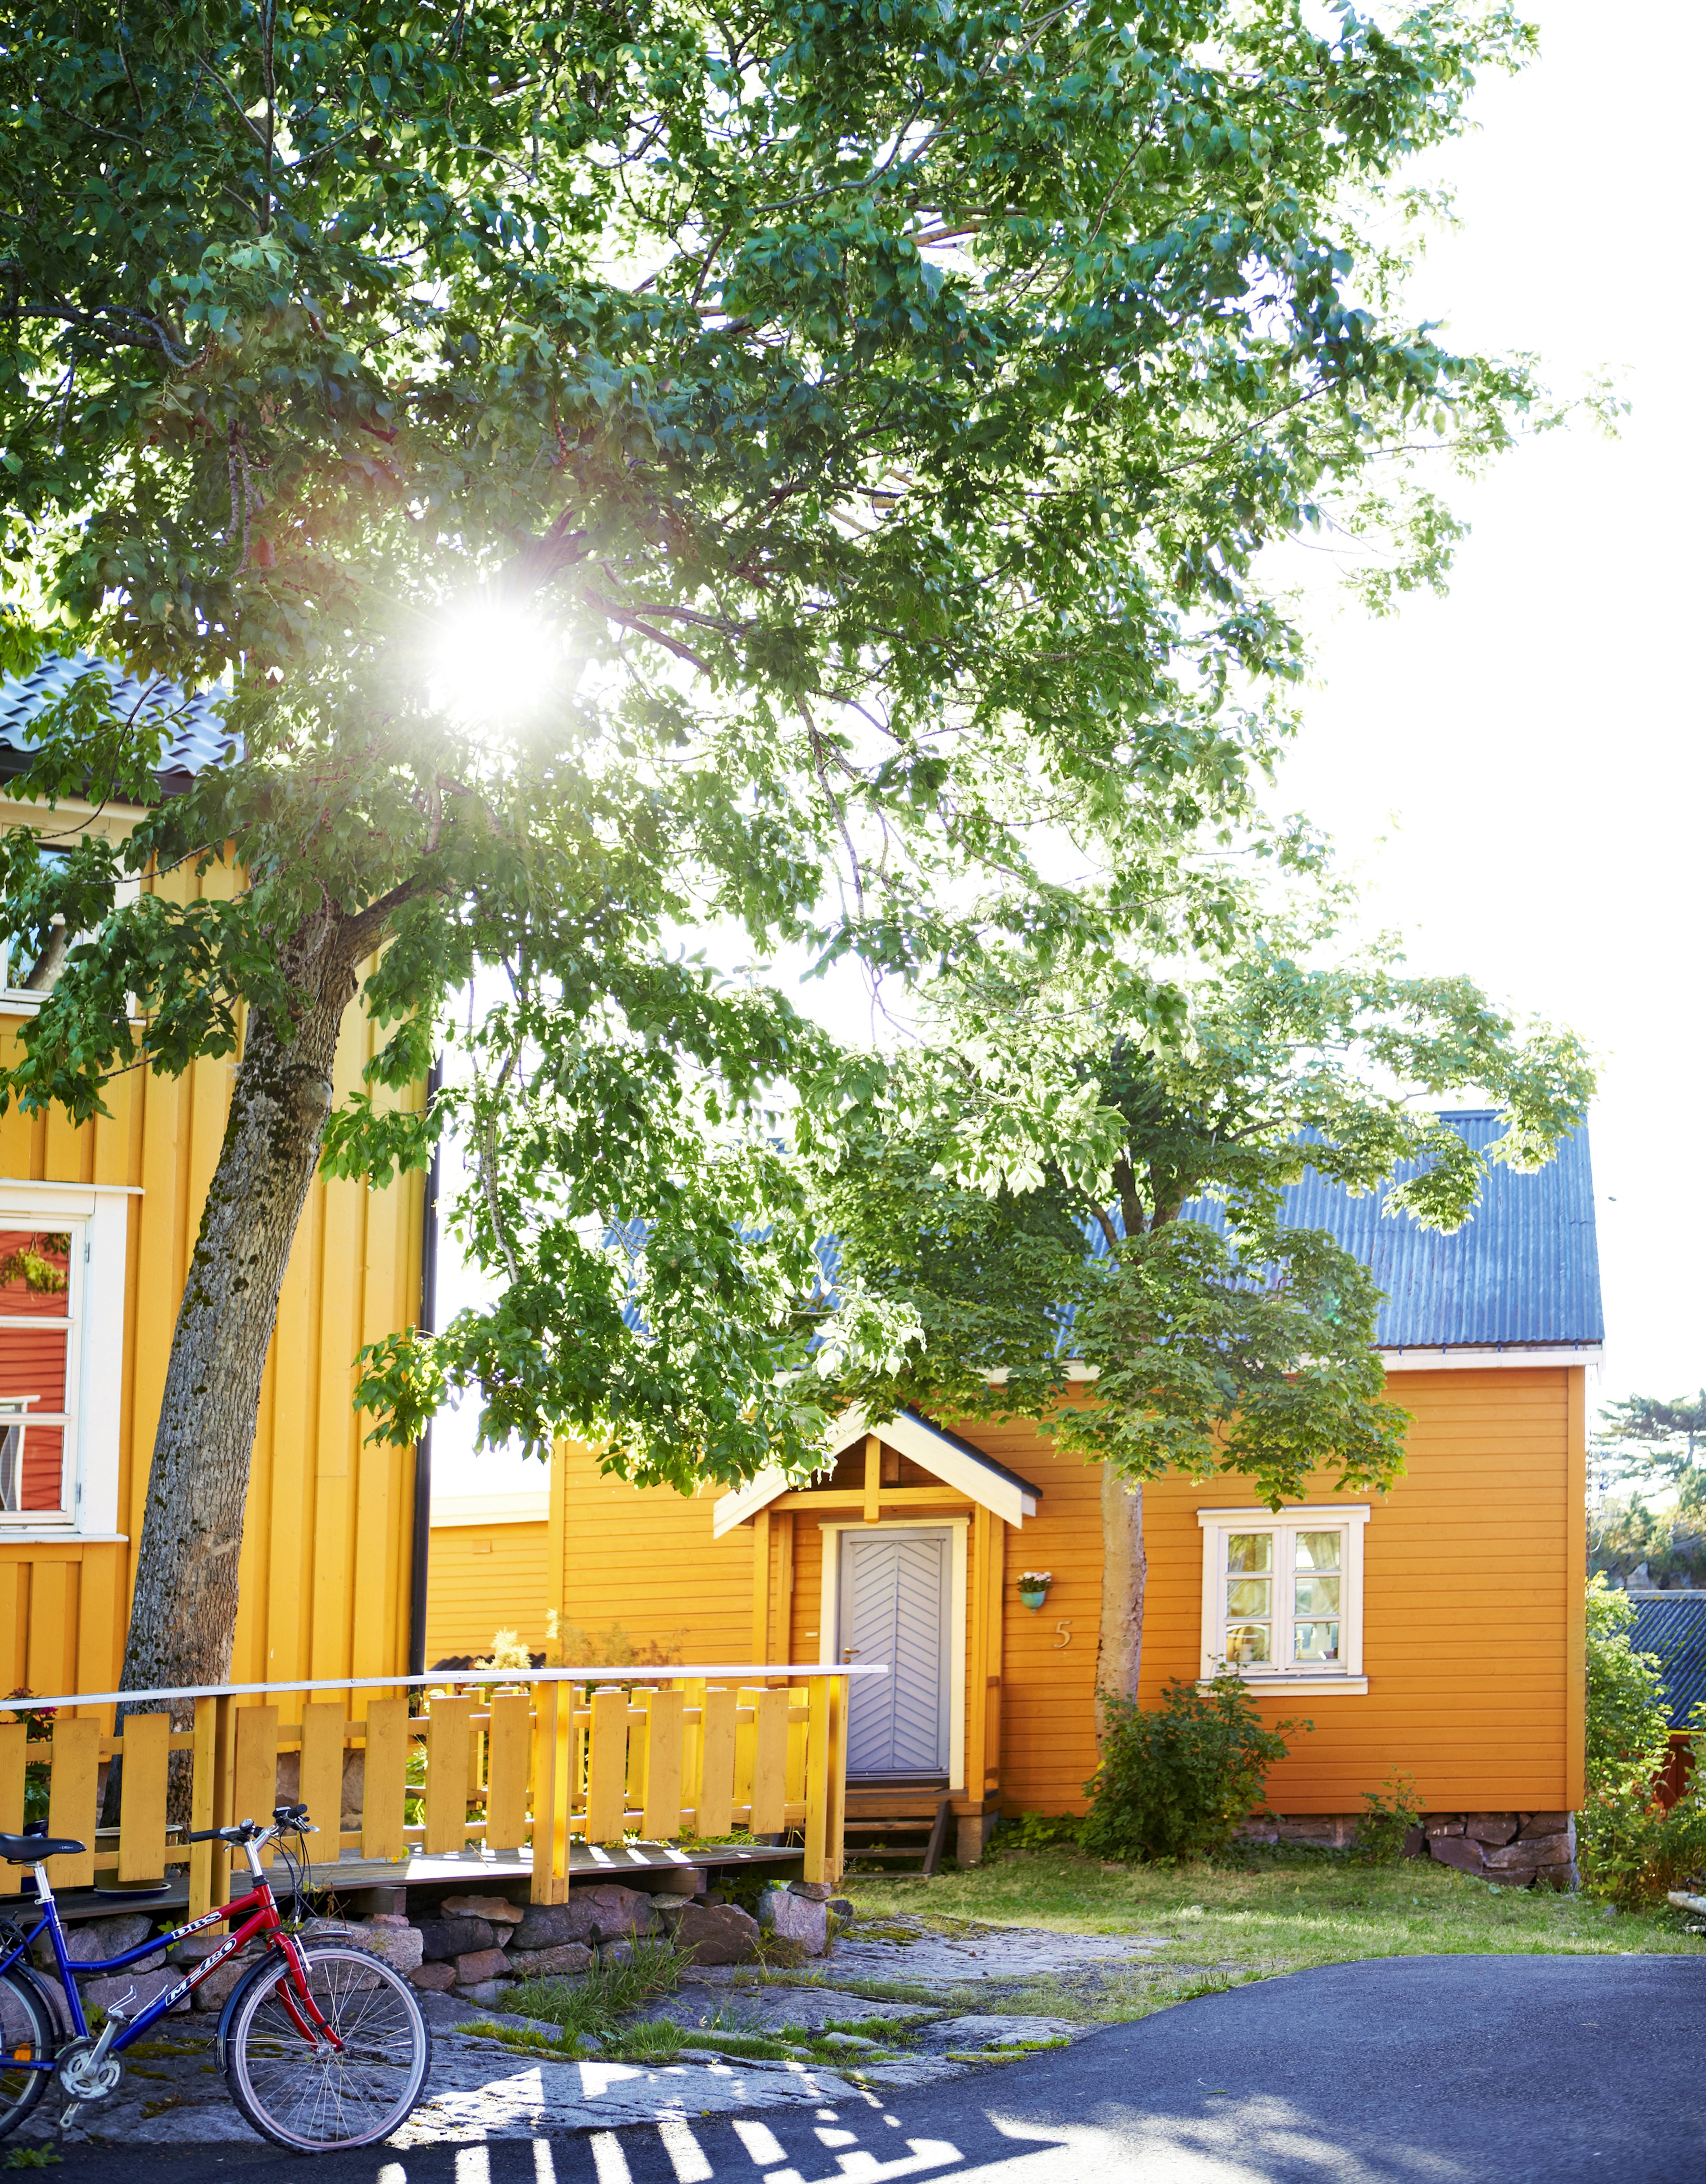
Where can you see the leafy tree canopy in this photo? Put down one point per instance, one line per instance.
(1243, 1348)
(876, 413)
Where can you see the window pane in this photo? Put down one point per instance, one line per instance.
(1319, 1550)
(1249, 1595)
(1250, 1551)
(1318, 1596)
(1316, 1641)
(34, 1273)
(32, 1371)
(1247, 1642)
(32, 1465)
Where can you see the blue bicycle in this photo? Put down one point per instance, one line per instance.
(321, 2045)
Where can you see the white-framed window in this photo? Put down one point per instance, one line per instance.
(62, 1329)
(29, 975)
(1282, 1596)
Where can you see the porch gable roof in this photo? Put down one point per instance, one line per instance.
(949, 1459)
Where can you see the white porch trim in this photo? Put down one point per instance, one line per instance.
(978, 1476)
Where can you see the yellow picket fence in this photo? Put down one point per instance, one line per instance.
(527, 1765)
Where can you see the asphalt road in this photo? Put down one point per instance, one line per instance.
(1411, 2070)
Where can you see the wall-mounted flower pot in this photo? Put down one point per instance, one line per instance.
(1034, 1594)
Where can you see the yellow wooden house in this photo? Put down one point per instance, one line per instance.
(97, 1225)
(1436, 1628)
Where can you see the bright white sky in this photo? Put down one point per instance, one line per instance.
(1516, 771)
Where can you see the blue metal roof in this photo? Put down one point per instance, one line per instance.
(198, 737)
(1524, 1268)
(1673, 1626)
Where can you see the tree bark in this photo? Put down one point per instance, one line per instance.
(184, 1610)
(1120, 1643)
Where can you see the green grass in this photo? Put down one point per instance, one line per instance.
(593, 2005)
(1255, 1915)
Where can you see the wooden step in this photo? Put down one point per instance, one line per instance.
(930, 1852)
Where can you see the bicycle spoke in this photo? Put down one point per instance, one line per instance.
(24, 2035)
(307, 2093)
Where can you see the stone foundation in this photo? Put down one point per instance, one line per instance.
(1516, 1850)
(477, 1947)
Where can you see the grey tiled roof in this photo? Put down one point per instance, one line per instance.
(1673, 1626)
(1523, 1270)
(199, 738)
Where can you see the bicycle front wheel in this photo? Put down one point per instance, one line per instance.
(26, 2036)
(305, 2092)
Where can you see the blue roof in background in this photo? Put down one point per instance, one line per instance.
(1673, 1625)
(199, 737)
(1523, 1269)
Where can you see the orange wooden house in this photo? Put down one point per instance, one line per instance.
(1437, 1628)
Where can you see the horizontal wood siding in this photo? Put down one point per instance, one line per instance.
(1467, 1600)
(809, 1635)
(1048, 1743)
(641, 1567)
(1470, 1585)
(324, 1572)
(482, 1579)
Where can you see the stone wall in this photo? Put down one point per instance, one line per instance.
(478, 1946)
(1516, 1850)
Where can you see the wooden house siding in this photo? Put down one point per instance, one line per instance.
(1048, 1688)
(323, 1578)
(1472, 1603)
(482, 1579)
(1469, 1596)
(639, 1564)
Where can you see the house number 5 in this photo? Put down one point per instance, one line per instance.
(1066, 1637)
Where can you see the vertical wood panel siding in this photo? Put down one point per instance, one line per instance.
(324, 1574)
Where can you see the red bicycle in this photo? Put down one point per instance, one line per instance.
(322, 2045)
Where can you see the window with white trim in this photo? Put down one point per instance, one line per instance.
(41, 1296)
(63, 1252)
(1282, 1595)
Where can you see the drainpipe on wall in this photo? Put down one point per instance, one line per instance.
(423, 1450)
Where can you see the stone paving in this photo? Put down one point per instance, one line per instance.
(482, 2088)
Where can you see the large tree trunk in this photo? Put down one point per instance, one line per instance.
(184, 1610)
(1120, 1643)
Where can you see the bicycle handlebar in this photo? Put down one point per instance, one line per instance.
(291, 1820)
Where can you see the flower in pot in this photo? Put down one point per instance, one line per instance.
(1033, 1587)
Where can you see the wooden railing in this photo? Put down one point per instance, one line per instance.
(518, 1763)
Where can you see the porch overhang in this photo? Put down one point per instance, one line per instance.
(945, 1455)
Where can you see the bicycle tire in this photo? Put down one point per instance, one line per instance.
(301, 2097)
(27, 2032)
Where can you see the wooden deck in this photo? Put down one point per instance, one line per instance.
(464, 1873)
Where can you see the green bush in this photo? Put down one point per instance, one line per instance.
(1629, 1850)
(1174, 1782)
(1393, 1810)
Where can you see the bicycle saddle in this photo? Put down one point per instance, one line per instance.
(27, 1850)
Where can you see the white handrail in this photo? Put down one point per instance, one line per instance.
(452, 1676)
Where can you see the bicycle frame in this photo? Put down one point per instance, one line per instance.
(259, 1902)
